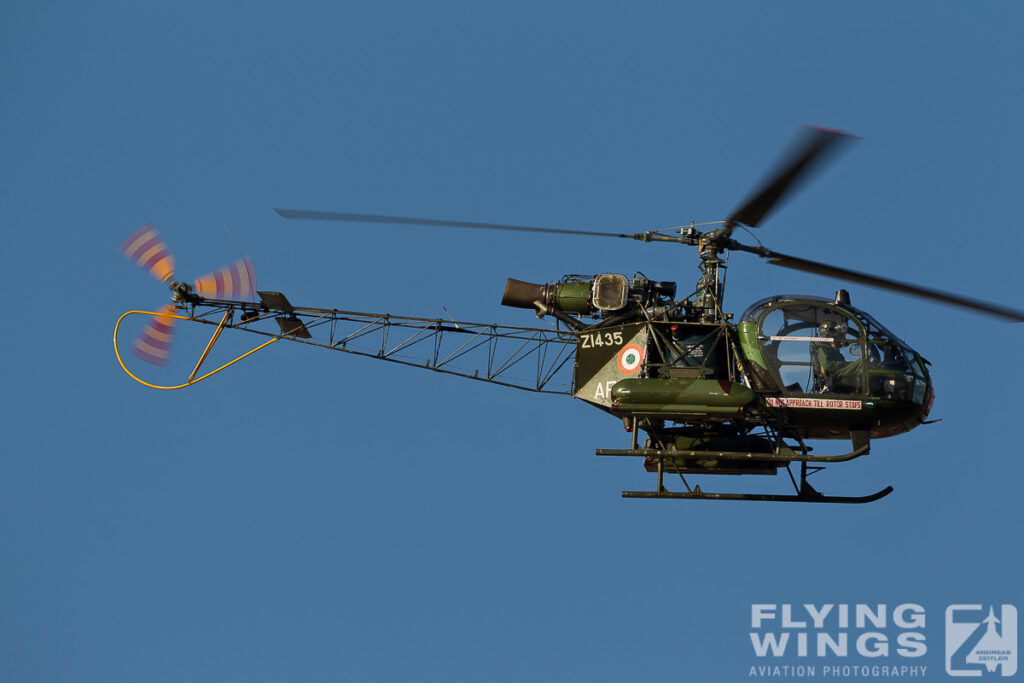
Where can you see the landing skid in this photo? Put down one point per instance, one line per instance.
(671, 461)
(806, 497)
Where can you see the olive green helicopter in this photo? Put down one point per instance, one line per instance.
(713, 396)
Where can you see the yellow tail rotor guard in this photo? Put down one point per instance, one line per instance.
(192, 378)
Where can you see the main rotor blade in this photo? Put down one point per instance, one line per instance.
(815, 147)
(796, 263)
(400, 220)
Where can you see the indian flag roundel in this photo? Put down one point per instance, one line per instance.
(631, 357)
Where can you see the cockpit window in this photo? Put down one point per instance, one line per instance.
(895, 371)
(813, 345)
(813, 348)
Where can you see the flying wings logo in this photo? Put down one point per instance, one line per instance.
(981, 640)
(879, 641)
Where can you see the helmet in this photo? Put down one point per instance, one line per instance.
(831, 328)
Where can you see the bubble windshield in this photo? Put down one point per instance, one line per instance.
(812, 345)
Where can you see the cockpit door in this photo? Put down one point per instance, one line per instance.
(813, 348)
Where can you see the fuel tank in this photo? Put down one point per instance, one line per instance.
(680, 397)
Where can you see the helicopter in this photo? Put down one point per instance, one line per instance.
(713, 395)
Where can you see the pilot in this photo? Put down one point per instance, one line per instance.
(836, 372)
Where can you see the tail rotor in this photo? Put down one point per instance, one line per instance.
(234, 281)
(147, 249)
(153, 344)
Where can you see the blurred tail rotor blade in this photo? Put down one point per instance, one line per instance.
(153, 344)
(147, 249)
(235, 281)
(817, 145)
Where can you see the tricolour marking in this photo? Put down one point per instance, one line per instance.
(630, 359)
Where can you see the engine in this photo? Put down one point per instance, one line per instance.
(597, 296)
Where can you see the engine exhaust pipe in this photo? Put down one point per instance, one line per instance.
(519, 294)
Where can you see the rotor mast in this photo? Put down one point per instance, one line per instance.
(710, 286)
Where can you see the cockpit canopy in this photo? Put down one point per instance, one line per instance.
(811, 345)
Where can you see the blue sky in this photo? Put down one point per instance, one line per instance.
(314, 517)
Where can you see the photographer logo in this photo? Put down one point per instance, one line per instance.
(981, 640)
